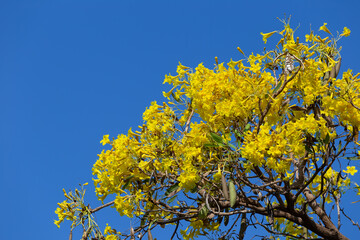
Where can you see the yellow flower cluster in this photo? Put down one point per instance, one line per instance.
(275, 146)
(65, 211)
(71, 207)
(340, 103)
(266, 111)
(110, 233)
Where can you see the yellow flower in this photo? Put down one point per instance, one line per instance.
(57, 222)
(105, 140)
(350, 170)
(309, 38)
(324, 28)
(107, 229)
(110, 231)
(111, 237)
(217, 176)
(267, 35)
(358, 189)
(346, 32)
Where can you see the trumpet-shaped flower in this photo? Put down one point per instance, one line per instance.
(324, 28)
(346, 32)
(267, 35)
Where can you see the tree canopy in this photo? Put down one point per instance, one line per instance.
(267, 141)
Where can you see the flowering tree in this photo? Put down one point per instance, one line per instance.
(265, 141)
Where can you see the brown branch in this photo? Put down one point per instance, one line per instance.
(101, 207)
(318, 210)
(337, 201)
(263, 114)
(188, 121)
(177, 226)
(70, 235)
(354, 105)
(331, 230)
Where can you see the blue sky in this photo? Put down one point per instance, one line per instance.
(72, 71)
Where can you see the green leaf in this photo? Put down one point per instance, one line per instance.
(172, 199)
(277, 87)
(209, 145)
(339, 146)
(171, 189)
(327, 139)
(308, 148)
(203, 212)
(356, 158)
(231, 145)
(226, 220)
(216, 138)
(194, 189)
(238, 133)
(247, 127)
(317, 136)
(127, 182)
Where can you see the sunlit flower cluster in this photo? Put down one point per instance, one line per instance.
(268, 111)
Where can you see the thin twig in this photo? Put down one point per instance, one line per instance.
(188, 121)
(102, 206)
(173, 235)
(337, 201)
(228, 231)
(86, 233)
(352, 104)
(352, 221)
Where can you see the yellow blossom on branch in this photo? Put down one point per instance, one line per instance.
(324, 28)
(351, 170)
(258, 135)
(105, 140)
(267, 35)
(346, 32)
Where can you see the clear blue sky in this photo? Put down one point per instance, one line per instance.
(72, 71)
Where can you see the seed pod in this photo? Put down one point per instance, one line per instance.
(226, 217)
(337, 67)
(219, 219)
(326, 77)
(203, 212)
(232, 191)
(333, 73)
(226, 220)
(224, 187)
